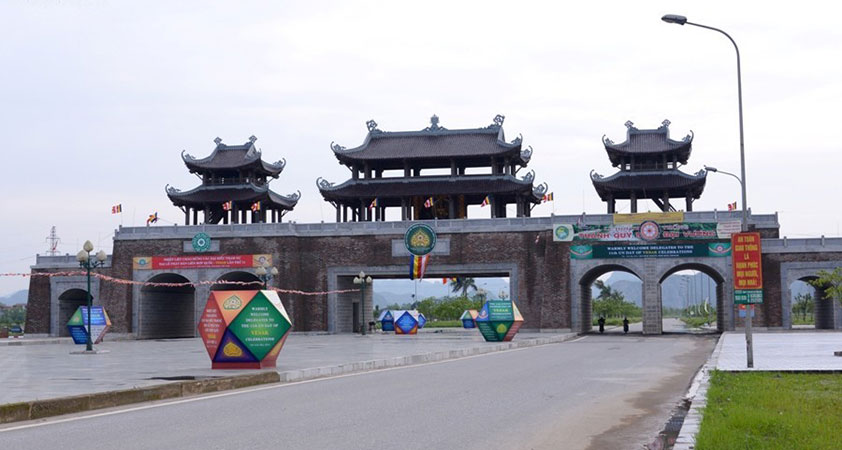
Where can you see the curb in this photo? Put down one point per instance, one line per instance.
(697, 396)
(39, 409)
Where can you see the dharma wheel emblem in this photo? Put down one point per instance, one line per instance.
(201, 242)
(649, 230)
(420, 239)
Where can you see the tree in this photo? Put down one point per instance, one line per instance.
(463, 284)
(830, 282)
(803, 305)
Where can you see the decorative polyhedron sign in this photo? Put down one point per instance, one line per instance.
(422, 320)
(499, 320)
(78, 324)
(387, 321)
(468, 318)
(405, 323)
(244, 329)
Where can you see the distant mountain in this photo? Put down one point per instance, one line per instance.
(674, 291)
(15, 297)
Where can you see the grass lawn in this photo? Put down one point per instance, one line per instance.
(772, 410)
(444, 324)
(697, 322)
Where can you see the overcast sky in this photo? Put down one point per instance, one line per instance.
(99, 98)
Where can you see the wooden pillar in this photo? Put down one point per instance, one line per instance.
(453, 169)
(355, 173)
(633, 202)
(344, 212)
(186, 216)
(451, 207)
(404, 214)
(195, 216)
(406, 169)
(610, 204)
(493, 207)
(666, 201)
(689, 201)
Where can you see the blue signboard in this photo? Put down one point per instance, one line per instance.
(387, 322)
(405, 323)
(78, 324)
(421, 320)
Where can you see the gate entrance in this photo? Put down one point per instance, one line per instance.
(167, 311)
(68, 302)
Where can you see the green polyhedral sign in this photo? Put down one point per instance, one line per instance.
(713, 250)
(748, 296)
(420, 239)
(259, 326)
(498, 320)
(201, 242)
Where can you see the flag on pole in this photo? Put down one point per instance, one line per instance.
(255, 206)
(152, 218)
(547, 197)
(117, 209)
(429, 203)
(417, 267)
(373, 204)
(486, 201)
(228, 205)
(732, 206)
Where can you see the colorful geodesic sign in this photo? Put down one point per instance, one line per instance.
(499, 320)
(421, 321)
(405, 322)
(244, 329)
(78, 324)
(387, 321)
(468, 318)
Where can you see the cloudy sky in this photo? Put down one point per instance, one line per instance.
(98, 98)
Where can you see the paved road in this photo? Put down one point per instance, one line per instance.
(605, 391)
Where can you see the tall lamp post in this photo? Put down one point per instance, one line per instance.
(681, 20)
(749, 346)
(88, 263)
(266, 273)
(362, 280)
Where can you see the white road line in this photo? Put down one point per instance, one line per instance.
(254, 389)
(577, 339)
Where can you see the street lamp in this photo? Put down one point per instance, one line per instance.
(85, 260)
(681, 20)
(266, 275)
(362, 280)
(743, 223)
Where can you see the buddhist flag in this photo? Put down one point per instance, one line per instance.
(486, 201)
(228, 205)
(547, 198)
(373, 204)
(417, 267)
(255, 206)
(429, 203)
(732, 206)
(152, 218)
(117, 209)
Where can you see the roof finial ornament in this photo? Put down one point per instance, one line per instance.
(629, 124)
(252, 138)
(217, 140)
(666, 123)
(434, 122)
(498, 120)
(372, 125)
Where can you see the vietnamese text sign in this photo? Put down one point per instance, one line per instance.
(717, 249)
(748, 273)
(748, 296)
(200, 261)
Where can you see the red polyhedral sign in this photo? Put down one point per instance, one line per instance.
(745, 250)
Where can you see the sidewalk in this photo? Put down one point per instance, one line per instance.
(41, 372)
(810, 351)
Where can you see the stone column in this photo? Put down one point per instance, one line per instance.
(689, 201)
(610, 204)
(195, 216)
(451, 207)
(652, 317)
(186, 216)
(634, 202)
(666, 201)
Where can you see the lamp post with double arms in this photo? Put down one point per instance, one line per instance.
(266, 273)
(362, 280)
(681, 20)
(88, 263)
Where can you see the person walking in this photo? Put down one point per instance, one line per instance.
(601, 322)
(625, 325)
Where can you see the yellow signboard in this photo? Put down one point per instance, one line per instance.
(659, 217)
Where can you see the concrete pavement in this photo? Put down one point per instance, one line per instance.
(810, 351)
(38, 372)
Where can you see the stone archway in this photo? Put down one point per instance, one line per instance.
(68, 302)
(724, 308)
(831, 312)
(252, 281)
(581, 300)
(166, 311)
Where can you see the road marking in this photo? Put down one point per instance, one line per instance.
(280, 385)
(577, 339)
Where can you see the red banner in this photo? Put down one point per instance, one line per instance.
(200, 261)
(745, 248)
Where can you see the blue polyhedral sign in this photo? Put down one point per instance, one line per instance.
(387, 321)
(405, 323)
(78, 324)
(421, 320)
